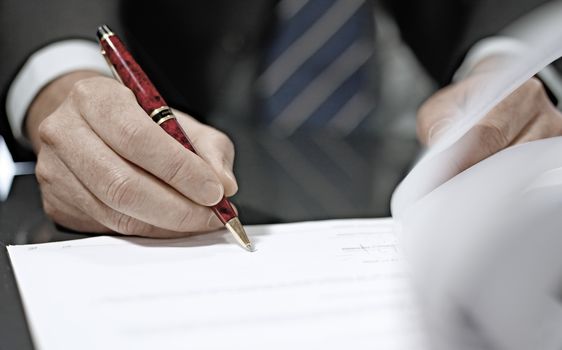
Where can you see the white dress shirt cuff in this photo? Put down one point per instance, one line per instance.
(505, 46)
(44, 66)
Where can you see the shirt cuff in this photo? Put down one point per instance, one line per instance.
(505, 46)
(44, 66)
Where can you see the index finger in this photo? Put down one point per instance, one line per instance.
(123, 125)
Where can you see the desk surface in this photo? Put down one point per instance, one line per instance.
(305, 177)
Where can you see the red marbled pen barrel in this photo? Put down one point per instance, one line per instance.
(128, 71)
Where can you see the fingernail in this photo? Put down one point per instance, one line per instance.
(212, 192)
(437, 130)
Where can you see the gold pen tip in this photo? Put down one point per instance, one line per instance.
(250, 247)
(235, 227)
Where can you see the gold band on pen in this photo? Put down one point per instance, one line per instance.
(162, 114)
(165, 119)
(158, 110)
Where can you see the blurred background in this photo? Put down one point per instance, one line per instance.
(314, 173)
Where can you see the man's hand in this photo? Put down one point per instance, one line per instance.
(525, 115)
(104, 165)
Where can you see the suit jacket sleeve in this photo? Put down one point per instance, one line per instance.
(26, 26)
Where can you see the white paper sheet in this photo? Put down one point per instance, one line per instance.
(328, 284)
(540, 34)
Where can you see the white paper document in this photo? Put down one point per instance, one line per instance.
(317, 285)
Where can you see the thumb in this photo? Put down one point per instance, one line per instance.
(215, 148)
(438, 113)
(437, 130)
(220, 156)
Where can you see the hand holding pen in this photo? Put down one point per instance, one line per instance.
(127, 70)
(104, 165)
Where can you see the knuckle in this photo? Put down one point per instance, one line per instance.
(42, 172)
(537, 92)
(177, 168)
(223, 140)
(84, 92)
(49, 132)
(534, 85)
(224, 144)
(492, 136)
(130, 134)
(122, 191)
(541, 95)
(81, 88)
(84, 89)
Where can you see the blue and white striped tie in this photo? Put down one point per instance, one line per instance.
(317, 68)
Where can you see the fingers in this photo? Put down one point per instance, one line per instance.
(67, 215)
(526, 114)
(104, 165)
(56, 203)
(67, 201)
(503, 123)
(122, 124)
(118, 184)
(516, 115)
(215, 148)
(547, 124)
(506, 120)
(435, 115)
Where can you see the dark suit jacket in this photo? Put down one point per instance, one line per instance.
(195, 51)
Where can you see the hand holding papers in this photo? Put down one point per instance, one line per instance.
(540, 46)
(498, 282)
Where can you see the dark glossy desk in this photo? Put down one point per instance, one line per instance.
(306, 177)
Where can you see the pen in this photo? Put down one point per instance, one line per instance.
(128, 71)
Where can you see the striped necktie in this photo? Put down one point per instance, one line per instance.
(317, 67)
